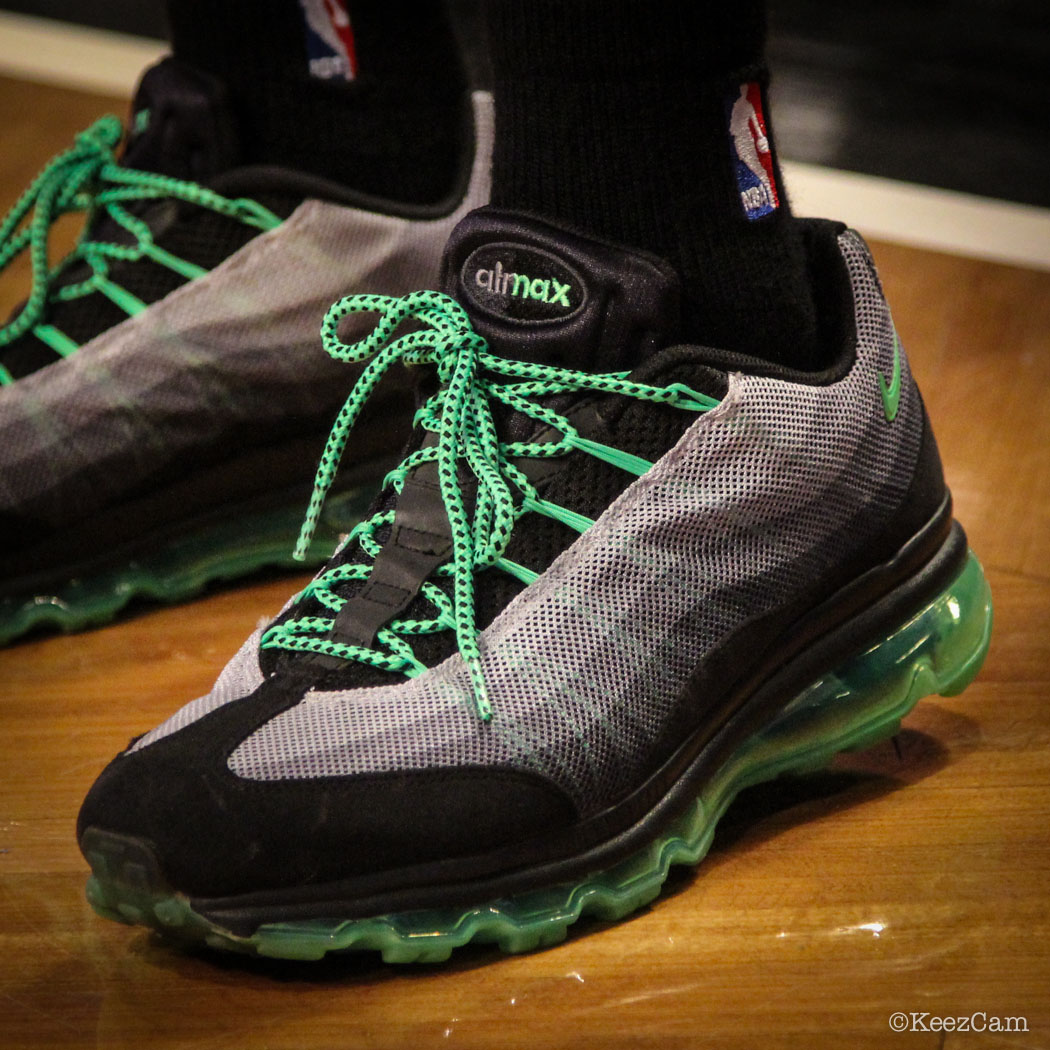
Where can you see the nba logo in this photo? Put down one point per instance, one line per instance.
(329, 39)
(751, 154)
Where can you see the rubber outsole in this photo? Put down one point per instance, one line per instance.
(939, 650)
(182, 568)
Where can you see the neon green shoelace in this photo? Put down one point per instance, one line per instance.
(87, 178)
(460, 415)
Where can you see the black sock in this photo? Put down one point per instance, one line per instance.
(379, 108)
(614, 116)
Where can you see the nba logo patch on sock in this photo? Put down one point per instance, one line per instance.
(751, 152)
(329, 39)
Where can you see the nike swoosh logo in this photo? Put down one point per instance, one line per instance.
(891, 393)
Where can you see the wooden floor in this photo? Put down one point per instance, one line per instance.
(830, 902)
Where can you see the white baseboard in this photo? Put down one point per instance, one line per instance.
(923, 216)
(53, 52)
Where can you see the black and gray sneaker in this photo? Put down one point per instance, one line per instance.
(162, 394)
(613, 581)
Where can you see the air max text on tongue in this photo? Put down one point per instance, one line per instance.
(546, 290)
(522, 284)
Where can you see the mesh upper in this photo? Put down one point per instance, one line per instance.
(233, 352)
(193, 233)
(585, 666)
(584, 485)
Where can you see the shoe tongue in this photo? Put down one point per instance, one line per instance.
(182, 124)
(539, 292)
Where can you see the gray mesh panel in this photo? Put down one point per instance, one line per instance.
(240, 343)
(585, 664)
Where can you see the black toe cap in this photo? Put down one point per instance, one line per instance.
(216, 834)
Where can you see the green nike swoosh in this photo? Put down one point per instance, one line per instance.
(891, 394)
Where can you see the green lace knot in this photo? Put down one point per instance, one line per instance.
(460, 416)
(88, 178)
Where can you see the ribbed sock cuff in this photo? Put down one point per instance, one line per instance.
(614, 117)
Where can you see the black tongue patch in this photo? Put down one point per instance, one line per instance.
(537, 292)
(182, 124)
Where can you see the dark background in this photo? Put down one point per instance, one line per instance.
(950, 93)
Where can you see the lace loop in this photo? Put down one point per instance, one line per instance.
(460, 415)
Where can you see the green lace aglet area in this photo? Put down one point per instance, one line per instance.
(302, 544)
(460, 416)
